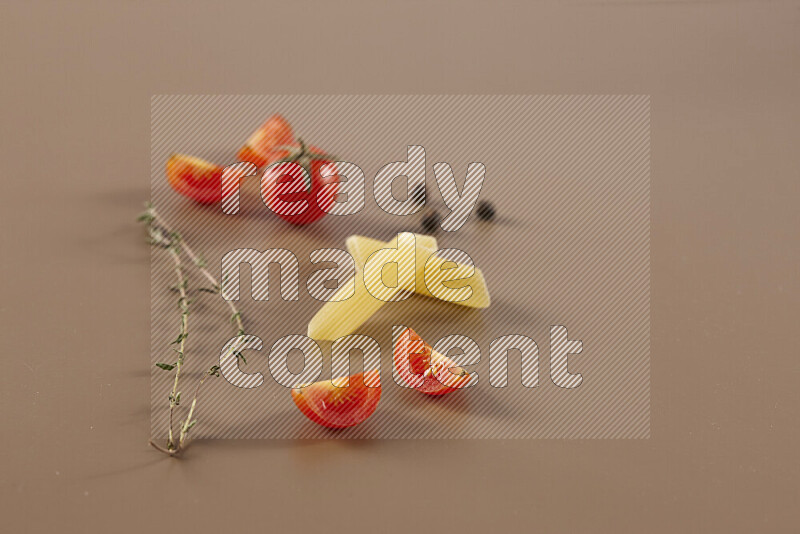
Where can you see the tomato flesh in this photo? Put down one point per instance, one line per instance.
(195, 178)
(260, 147)
(424, 369)
(339, 407)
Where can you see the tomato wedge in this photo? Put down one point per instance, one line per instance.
(259, 148)
(339, 407)
(424, 369)
(195, 178)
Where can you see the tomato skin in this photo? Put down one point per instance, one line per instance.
(195, 178)
(260, 147)
(300, 401)
(286, 192)
(425, 370)
(335, 407)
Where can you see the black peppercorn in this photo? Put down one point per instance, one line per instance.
(418, 195)
(485, 210)
(430, 221)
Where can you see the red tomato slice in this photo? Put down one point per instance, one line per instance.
(424, 369)
(195, 178)
(259, 148)
(339, 407)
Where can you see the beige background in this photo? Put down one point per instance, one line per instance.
(76, 87)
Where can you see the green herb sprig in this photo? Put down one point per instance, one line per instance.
(161, 235)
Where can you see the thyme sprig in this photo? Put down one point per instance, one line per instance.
(198, 261)
(161, 235)
(183, 303)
